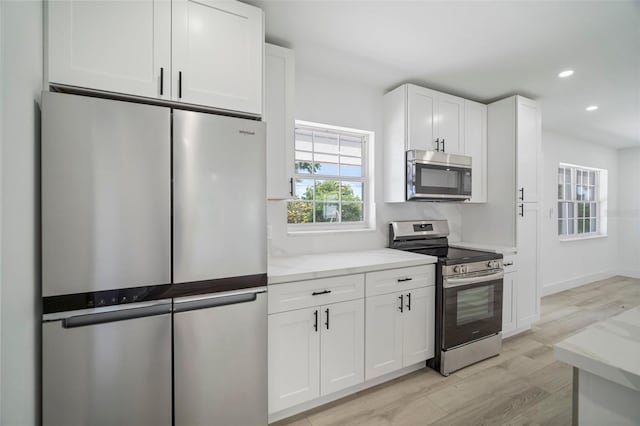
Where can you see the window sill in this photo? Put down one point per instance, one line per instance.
(587, 237)
(301, 233)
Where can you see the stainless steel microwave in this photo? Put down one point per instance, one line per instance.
(437, 176)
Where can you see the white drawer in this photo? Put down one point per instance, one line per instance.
(383, 282)
(304, 294)
(510, 263)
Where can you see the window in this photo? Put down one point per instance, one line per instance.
(332, 188)
(581, 201)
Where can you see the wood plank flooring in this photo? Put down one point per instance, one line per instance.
(525, 385)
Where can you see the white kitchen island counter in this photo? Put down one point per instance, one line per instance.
(606, 361)
(311, 266)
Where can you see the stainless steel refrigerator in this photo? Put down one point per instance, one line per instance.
(154, 265)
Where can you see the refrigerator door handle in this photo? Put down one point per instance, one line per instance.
(117, 315)
(215, 301)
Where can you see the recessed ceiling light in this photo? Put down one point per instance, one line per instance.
(565, 73)
(592, 107)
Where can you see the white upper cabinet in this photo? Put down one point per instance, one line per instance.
(528, 148)
(217, 54)
(208, 52)
(423, 119)
(279, 78)
(449, 120)
(421, 107)
(475, 137)
(114, 46)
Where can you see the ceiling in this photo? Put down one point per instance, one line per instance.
(482, 50)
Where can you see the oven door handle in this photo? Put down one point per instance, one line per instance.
(457, 282)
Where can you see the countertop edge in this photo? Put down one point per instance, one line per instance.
(566, 354)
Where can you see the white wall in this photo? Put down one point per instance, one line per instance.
(568, 264)
(629, 212)
(328, 100)
(21, 75)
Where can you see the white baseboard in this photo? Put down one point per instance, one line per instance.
(631, 273)
(576, 282)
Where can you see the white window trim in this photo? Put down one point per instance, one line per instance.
(601, 200)
(369, 210)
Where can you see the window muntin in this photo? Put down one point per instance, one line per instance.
(331, 177)
(579, 201)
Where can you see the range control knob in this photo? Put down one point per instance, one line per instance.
(457, 269)
(493, 264)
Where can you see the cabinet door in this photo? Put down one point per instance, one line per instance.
(383, 340)
(528, 148)
(528, 292)
(115, 46)
(278, 113)
(421, 105)
(475, 145)
(217, 54)
(342, 346)
(509, 300)
(418, 323)
(294, 358)
(450, 123)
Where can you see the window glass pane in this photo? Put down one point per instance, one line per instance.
(326, 143)
(562, 227)
(594, 210)
(352, 191)
(299, 212)
(326, 169)
(592, 178)
(327, 212)
(567, 176)
(304, 140)
(560, 183)
(571, 210)
(305, 167)
(350, 146)
(587, 225)
(352, 212)
(567, 192)
(304, 189)
(587, 210)
(327, 190)
(562, 210)
(571, 228)
(580, 226)
(346, 170)
(580, 209)
(593, 225)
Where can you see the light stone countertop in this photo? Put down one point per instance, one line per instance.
(310, 266)
(609, 349)
(504, 250)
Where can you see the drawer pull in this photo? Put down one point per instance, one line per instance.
(317, 293)
(508, 263)
(401, 280)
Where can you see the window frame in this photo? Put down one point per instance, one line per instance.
(599, 199)
(367, 180)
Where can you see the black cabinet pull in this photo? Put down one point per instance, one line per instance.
(437, 144)
(442, 144)
(316, 293)
(291, 186)
(522, 194)
(179, 84)
(401, 303)
(315, 324)
(327, 323)
(161, 81)
(521, 210)
(409, 301)
(401, 280)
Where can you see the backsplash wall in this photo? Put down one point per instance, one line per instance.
(329, 100)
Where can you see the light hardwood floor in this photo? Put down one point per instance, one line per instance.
(525, 385)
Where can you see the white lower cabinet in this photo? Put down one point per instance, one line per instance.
(325, 336)
(315, 352)
(294, 358)
(400, 330)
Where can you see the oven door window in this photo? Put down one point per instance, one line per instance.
(471, 312)
(442, 180)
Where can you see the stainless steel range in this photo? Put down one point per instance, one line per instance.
(468, 294)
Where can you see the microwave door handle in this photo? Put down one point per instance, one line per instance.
(457, 282)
